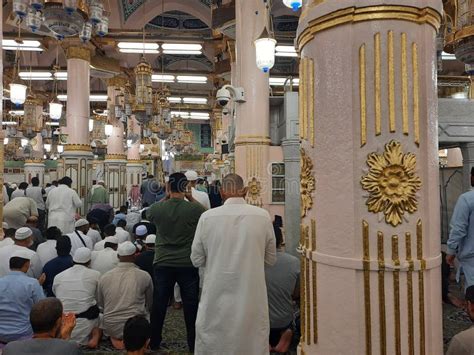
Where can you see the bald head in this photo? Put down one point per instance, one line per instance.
(233, 186)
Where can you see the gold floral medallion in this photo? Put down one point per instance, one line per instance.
(392, 183)
(307, 183)
(254, 189)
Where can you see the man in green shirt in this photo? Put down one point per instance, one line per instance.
(98, 194)
(176, 220)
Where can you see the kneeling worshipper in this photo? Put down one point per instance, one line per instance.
(124, 292)
(19, 210)
(79, 237)
(18, 293)
(106, 259)
(23, 240)
(76, 287)
(57, 265)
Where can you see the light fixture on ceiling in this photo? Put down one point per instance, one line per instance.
(192, 79)
(17, 89)
(38, 75)
(92, 97)
(60, 75)
(47, 147)
(295, 5)
(24, 142)
(175, 100)
(22, 45)
(448, 56)
(162, 78)
(138, 47)
(280, 81)
(64, 18)
(55, 107)
(109, 129)
(16, 112)
(265, 51)
(182, 48)
(195, 100)
(285, 51)
(60, 148)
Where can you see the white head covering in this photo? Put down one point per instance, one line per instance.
(101, 182)
(5, 225)
(150, 239)
(23, 233)
(191, 175)
(82, 255)
(141, 230)
(22, 253)
(81, 222)
(126, 249)
(113, 240)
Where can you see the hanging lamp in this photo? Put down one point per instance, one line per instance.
(295, 5)
(265, 51)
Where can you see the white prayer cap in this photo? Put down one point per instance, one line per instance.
(82, 255)
(141, 230)
(5, 225)
(101, 182)
(113, 240)
(81, 222)
(23, 233)
(23, 253)
(126, 249)
(191, 175)
(150, 239)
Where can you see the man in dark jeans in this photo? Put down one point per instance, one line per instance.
(176, 220)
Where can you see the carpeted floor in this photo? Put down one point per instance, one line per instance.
(455, 320)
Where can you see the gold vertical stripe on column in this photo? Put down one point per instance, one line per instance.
(416, 94)
(301, 99)
(377, 85)
(303, 290)
(421, 284)
(363, 96)
(381, 277)
(314, 284)
(308, 303)
(310, 80)
(411, 336)
(391, 82)
(366, 265)
(396, 294)
(404, 85)
(305, 98)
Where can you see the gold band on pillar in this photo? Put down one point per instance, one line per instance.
(77, 147)
(118, 81)
(370, 13)
(115, 157)
(75, 52)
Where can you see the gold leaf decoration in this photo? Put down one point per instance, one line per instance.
(307, 183)
(254, 189)
(392, 183)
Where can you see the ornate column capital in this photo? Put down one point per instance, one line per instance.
(77, 52)
(118, 81)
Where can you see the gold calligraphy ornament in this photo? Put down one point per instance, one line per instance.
(307, 183)
(392, 183)
(254, 189)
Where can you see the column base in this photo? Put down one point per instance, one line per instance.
(115, 179)
(134, 171)
(32, 168)
(78, 166)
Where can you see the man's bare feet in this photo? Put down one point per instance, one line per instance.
(178, 305)
(285, 341)
(96, 334)
(117, 343)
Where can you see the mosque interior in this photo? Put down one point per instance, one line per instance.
(352, 120)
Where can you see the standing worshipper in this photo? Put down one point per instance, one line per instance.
(214, 194)
(199, 196)
(106, 259)
(62, 203)
(76, 288)
(38, 194)
(18, 293)
(98, 194)
(145, 260)
(47, 250)
(124, 292)
(57, 265)
(51, 329)
(53, 185)
(175, 220)
(79, 237)
(19, 211)
(23, 240)
(150, 191)
(20, 191)
(233, 243)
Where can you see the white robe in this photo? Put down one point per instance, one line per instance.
(233, 242)
(62, 203)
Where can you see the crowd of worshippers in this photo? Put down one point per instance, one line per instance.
(69, 282)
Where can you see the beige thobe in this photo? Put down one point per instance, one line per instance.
(124, 292)
(462, 343)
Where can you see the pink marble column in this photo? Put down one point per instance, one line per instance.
(134, 164)
(253, 117)
(370, 236)
(77, 155)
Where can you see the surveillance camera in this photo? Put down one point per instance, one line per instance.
(225, 111)
(223, 96)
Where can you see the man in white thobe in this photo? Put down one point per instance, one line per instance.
(79, 237)
(76, 288)
(23, 240)
(106, 259)
(199, 196)
(62, 203)
(233, 242)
